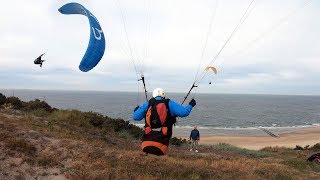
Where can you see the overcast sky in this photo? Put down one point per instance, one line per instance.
(275, 50)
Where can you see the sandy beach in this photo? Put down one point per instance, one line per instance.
(301, 137)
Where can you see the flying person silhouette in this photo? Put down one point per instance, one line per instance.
(39, 60)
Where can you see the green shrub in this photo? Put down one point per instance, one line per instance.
(298, 148)
(95, 119)
(120, 124)
(7, 106)
(77, 118)
(2, 99)
(70, 118)
(37, 104)
(177, 141)
(315, 147)
(15, 101)
(136, 131)
(307, 147)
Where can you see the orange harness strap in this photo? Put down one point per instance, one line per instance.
(162, 147)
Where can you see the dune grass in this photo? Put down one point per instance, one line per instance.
(122, 159)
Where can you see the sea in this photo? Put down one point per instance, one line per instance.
(214, 114)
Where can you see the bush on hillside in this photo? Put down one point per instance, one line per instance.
(15, 101)
(117, 125)
(178, 141)
(74, 117)
(37, 105)
(316, 147)
(307, 147)
(2, 99)
(7, 106)
(95, 119)
(136, 131)
(120, 124)
(298, 148)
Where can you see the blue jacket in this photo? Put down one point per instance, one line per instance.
(175, 110)
(195, 135)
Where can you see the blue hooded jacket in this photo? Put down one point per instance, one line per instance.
(176, 110)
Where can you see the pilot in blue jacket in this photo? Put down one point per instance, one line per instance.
(154, 141)
(176, 110)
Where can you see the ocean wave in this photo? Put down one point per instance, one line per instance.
(273, 126)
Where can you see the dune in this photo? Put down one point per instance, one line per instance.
(301, 137)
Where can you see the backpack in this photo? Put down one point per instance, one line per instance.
(157, 116)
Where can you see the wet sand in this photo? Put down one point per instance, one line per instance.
(301, 137)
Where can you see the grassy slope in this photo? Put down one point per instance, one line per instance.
(62, 144)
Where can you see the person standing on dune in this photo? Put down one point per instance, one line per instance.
(194, 137)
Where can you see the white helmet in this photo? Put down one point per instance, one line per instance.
(158, 92)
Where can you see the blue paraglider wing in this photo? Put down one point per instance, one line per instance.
(96, 45)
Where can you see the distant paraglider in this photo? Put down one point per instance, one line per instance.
(96, 45)
(39, 60)
(212, 68)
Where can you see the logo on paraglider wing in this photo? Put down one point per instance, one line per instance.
(94, 29)
(94, 33)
